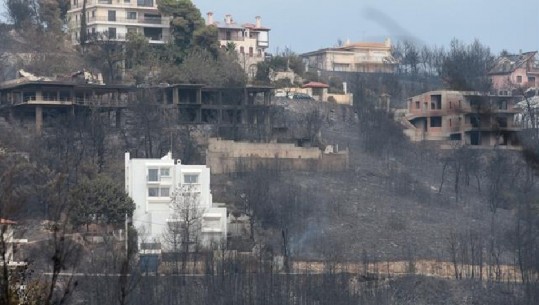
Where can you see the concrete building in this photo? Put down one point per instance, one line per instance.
(37, 98)
(458, 117)
(113, 19)
(153, 182)
(367, 57)
(515, 71)
(250, 39)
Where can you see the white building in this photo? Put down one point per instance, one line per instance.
(152, 182)
(365, 57)
(115, 18)
(250, 39)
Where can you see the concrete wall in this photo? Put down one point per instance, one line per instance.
(343, 99)
(225, 156)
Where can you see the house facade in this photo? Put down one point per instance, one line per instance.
(113, 19)
(515, 71)
(152, 183)
(251, 40)
(366, 57)
(464, 118)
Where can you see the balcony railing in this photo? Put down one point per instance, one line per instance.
(140, 20)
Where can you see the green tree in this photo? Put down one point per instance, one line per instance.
(206, 38)
(141, 58)
(100, 200)
(187, 27)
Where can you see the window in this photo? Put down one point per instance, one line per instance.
(131, 15)
(165, 172)
(190, 178)
(153, 174)
(165, 192)
(242, 50)
(251, 51)
(502, 105)
(519, 79)
(475, 121)
(436, 102)
(158, 192)
(531, 80)
(416, 105)
(502, 122)
(112, 15)
(153, 192)
(436, 121)
(147, 3)
(112, 33)
(93, 14)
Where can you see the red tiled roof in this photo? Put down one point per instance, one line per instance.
(315, 85)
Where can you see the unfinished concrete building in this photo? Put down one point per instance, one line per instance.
(39, 98)
(462, 118)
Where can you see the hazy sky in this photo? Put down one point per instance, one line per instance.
(306, 25)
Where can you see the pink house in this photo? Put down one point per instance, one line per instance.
(512, 72)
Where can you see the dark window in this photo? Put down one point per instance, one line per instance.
(455, 137)
(531, 80)
(147, 3)
(436, 101)
(242, 50)
(112, 15)
(416, 105)
(474, 121)
(112, 33)
(436, 121)
(519, 79)
(475, 138)
(131, 15)
(502, 105)
(502, 122)
(250, 51)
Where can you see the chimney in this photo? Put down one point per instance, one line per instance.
(258, 21)
(228, 19)
(209, 21)
(387, 42)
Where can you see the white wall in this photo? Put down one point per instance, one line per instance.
(151, 213)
